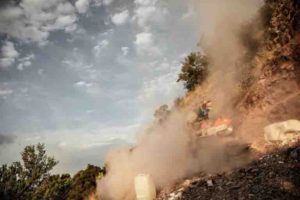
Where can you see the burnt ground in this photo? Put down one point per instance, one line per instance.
(273, 176)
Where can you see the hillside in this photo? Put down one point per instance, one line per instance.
(233, 134)
(269, 92)
(272, 176)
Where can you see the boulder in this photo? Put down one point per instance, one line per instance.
(283, 132)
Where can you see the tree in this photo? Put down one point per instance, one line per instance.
(19, 180)
(194, 70)
(162, 113)
(55, 187)
(84, 182)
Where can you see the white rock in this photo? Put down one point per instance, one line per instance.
(282, 131)
(209, 183)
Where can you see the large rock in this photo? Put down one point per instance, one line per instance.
(283, 132)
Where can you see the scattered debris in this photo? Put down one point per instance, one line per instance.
(210, 183)
(176, 195)
(273, 176)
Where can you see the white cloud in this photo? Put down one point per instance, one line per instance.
(25, 62)
(28, 57)
(120, 18)
(89, 87)
(21, 66)
(40, 72)
(82, 5)
(63, 22)
(144, 39)
(125, 51)
(145, 44)
(163, 86)
(144, 14)
(107, 2)
(83, 84)
(8, 54)
(145, 2)
(65, 8)
(33, 20)
(98, 3)
(100, 46)
(5, 92)
(147, 12)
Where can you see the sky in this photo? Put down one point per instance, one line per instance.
(83, 76)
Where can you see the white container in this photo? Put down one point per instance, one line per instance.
(144, 187)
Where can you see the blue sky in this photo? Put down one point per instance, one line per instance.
(83, 76)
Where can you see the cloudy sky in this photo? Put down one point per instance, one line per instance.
(82, 76)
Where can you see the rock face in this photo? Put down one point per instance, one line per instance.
(273, 176)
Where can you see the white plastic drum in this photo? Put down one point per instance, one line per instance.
(144, 187)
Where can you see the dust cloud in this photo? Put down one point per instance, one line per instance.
(221, 22)
(169, 152)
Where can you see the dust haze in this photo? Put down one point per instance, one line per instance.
(167, 151)
(221, 22)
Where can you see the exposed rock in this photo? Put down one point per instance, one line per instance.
(283, 132)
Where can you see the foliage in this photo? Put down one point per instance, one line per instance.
(162, 113)
(84, 182)
(30, 179)
(194, 70)
(19, 180)
(54, 187)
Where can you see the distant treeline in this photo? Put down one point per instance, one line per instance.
(30, 179)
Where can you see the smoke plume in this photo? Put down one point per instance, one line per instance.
(168, 152)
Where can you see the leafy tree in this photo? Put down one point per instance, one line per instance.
(194, 70)
(54, 187)
(19, 180)
(84, 182)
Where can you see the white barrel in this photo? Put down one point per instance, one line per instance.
(144, 187)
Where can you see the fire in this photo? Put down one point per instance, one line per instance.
(218, 122)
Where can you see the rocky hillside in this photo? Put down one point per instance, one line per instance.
(276, 61)
(270, 93)
(272, 176)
